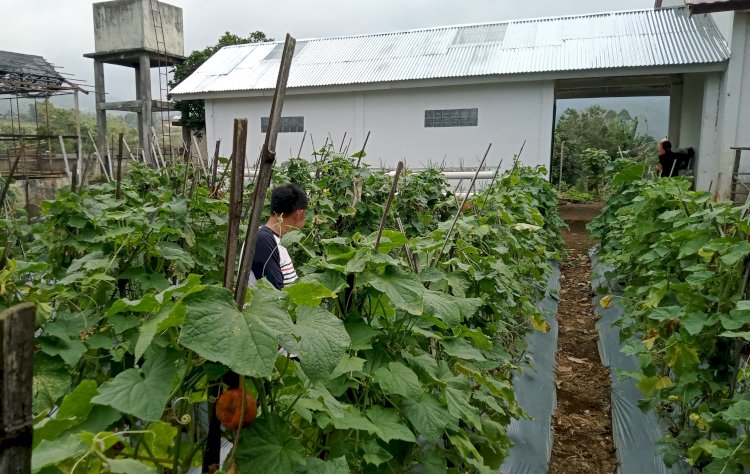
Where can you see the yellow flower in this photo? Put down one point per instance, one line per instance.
(606, 302)
(706, 254)
(695, 417)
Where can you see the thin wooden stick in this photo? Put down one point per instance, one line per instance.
(315, 152)
(155, 155)
(342, 143)
(346, 150)
(132, 156)
(198, 151)
(99, 157)
(497, 172)
(65, 158)
(387, 207)
(458, 212)
(155, 144)
(299, 153)
(220, 182)
(362, 151)
(120, 141)
(11, 174)
(455, 190)
(409, 254)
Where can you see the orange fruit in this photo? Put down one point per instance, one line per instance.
(229, 405)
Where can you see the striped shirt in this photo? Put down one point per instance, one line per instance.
(272, 260)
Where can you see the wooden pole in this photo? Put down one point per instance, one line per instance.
(120, 141)
(235, 199)
(268, 157)
(16, 390)
(213, 441)
(387, 207)
(215, 164)
(79, 150)
(343, 140)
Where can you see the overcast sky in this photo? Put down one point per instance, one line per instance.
(62, 30)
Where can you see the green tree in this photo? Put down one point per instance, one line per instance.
(610, 133)
(60, 121)
(193, 111)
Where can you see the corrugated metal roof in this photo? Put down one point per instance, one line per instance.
(644, 38)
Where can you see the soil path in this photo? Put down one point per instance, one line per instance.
(582, 424)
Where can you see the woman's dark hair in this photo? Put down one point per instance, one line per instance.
(287, 198)
(667, 145)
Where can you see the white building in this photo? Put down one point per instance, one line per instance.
(445, 93)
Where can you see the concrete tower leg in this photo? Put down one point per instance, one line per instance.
(101, 114)
(143, 85)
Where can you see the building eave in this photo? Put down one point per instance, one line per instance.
(462, 81)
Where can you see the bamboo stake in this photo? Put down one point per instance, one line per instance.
(342, 143)
(387, 207)
(458, 212)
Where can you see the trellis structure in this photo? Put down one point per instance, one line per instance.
(40, 120)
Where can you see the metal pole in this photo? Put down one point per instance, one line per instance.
(78, 139)
(562, 155)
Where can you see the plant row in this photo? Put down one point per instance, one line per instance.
(683, 260)
(402, 353)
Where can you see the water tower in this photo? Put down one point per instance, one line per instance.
(140, 34)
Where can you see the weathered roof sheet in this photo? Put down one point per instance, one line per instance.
(710, 6)
(573, 43)
(28, 66)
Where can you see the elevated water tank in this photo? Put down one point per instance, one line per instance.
(123, 26)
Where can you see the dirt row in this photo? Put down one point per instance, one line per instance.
(582, 424)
